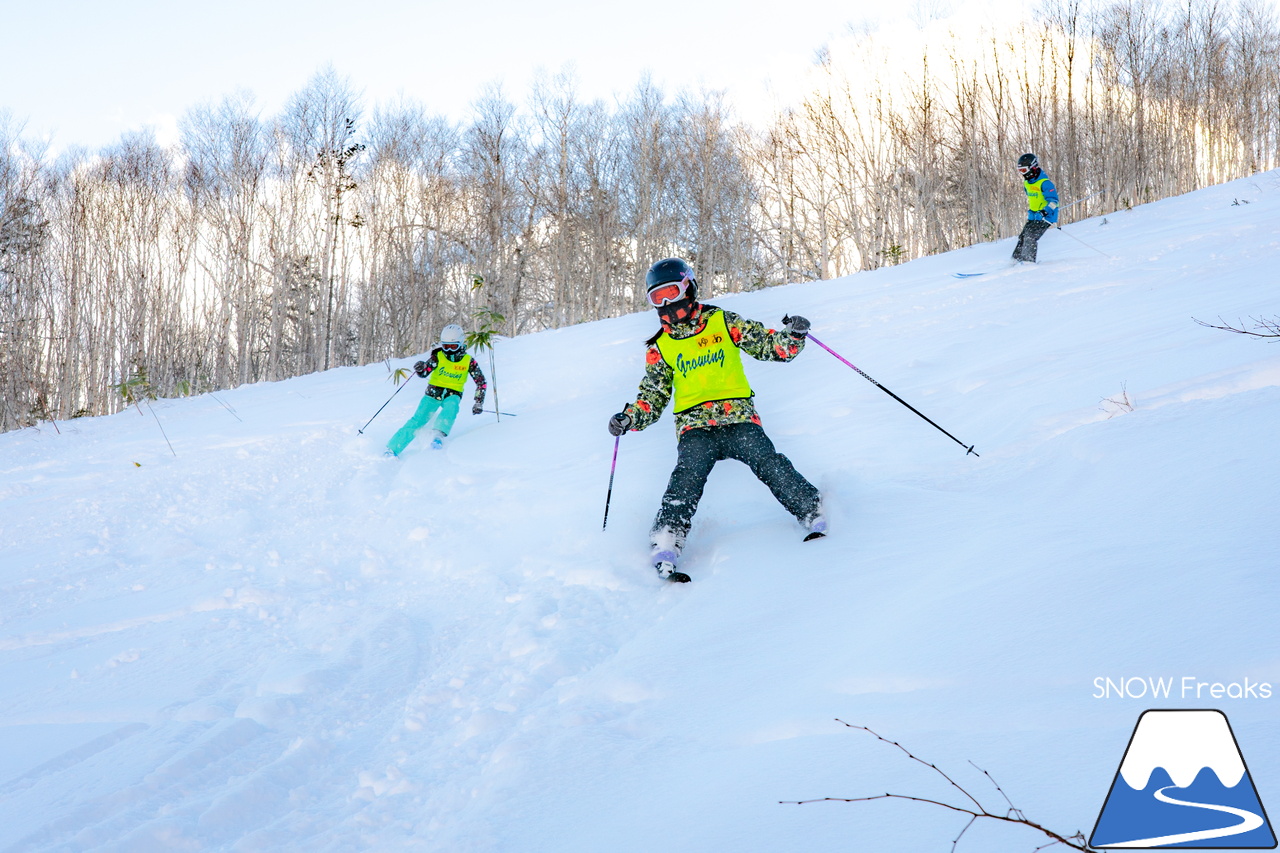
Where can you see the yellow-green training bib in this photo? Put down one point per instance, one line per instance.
(707, 366)
(1035, 195)
(450, 374)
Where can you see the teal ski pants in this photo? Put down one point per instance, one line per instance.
(448, 409)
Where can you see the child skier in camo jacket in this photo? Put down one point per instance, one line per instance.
(696, 356)
(446, 371)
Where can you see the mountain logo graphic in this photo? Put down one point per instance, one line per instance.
(1183, 783)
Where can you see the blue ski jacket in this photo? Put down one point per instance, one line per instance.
(1042, 199)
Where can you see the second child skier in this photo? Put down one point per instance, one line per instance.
(446, 370)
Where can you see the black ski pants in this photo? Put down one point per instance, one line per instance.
(698, 452)
(1028, 240)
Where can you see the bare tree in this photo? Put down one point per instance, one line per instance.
(262, 248)
(24, 309)
(227, 155)
(410, 190)
(318, 131)
(499, 218)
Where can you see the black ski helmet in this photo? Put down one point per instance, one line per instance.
(1029, 162)
(669, 270)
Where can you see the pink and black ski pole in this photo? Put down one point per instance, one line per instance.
(968, 449)
(612, 468)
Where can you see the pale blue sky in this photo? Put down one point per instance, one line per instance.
(84, 72)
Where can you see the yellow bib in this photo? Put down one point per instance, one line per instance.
(1035, 194)
(707, 366)
(450, 374)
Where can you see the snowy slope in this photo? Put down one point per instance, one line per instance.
(278, 640)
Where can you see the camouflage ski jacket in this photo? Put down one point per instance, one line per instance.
(751, 337)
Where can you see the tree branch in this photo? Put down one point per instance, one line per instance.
(1269, 328)
(977, 812)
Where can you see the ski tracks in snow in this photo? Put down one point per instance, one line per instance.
(329, 665)
(240, 752)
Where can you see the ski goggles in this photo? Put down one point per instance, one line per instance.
(452, 346)
(1022, 170)
(665, 294)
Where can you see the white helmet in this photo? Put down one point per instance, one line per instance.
(452, 334)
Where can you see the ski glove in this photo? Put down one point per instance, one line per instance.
(477, 408)
(420, 368)
(797, 325)
(619, 423)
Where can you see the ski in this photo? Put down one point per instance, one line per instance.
(1004, 266)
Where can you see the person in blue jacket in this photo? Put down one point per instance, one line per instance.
(1042, 207)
